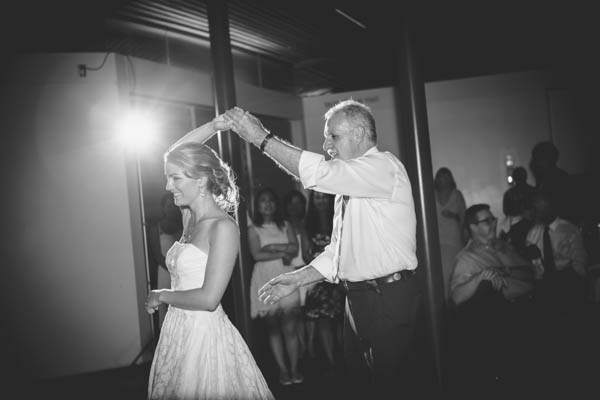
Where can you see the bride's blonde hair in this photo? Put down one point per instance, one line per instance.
(198, 160)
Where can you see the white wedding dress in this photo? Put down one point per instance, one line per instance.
(200, 354)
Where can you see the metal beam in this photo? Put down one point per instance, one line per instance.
(232, 150)
(414, 137)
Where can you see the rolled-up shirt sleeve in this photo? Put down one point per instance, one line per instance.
(465, 278)
(324, 263)
(309, 163)
(373, 175)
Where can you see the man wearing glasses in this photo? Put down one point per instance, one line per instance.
(486, 258)
(490, 285)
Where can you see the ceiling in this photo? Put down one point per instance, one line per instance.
(340, 45)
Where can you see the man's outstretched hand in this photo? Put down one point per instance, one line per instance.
(278, 287)
(246, 125)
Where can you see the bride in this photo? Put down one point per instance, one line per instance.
(200, 354)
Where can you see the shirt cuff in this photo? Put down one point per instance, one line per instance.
(307, 168)
(323, 263)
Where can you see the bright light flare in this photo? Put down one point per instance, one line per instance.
(137, 131)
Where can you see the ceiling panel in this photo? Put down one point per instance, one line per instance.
(345, 45)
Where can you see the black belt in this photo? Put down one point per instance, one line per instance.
(374, 283)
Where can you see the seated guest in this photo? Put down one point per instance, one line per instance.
(561, 313)
(565, 249)
(564, 258)
(487, 258)
(487, 285)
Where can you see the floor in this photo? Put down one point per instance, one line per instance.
(130, 383)
(568, 365)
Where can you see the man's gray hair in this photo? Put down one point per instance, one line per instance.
(358, 112)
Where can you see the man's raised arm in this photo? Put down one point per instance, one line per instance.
(249, 128)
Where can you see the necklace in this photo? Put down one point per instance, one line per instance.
(188, 232)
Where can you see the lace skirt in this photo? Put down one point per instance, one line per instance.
(201, 355)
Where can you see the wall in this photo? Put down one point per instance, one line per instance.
(474, 123)
(74, 305)
(76, 262)
(169, 84)
(569, 132)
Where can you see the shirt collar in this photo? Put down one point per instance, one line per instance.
(554, 224)
(371, 150)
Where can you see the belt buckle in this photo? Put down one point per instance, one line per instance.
(374, 285)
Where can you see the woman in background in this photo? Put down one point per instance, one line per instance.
(324, 308)
(273, 245)
(294, 211)
(450, 206)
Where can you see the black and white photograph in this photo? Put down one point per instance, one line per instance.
(262, 199)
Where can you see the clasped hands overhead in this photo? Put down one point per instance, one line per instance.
(246, 125)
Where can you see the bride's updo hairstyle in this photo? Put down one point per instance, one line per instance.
(197, 160)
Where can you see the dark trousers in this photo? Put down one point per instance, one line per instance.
(386, 321)
(480, 344)
(561, 326)
(560, 292)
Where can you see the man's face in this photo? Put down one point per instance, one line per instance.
(544, 213)
(484, 229)
(340, 138)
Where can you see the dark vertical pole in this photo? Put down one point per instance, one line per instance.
(231, 146)
(414, 133)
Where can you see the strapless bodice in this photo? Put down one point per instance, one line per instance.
(187, 266)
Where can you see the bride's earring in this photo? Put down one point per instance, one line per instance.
(202, 183)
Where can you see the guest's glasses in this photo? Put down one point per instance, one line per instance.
(488, 220)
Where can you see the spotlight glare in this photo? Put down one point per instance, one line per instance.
(136, 131)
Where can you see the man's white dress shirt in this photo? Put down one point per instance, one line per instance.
(379, 227)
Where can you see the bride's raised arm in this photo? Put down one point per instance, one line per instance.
(204, 132)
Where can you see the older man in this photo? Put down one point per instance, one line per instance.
(373, 255)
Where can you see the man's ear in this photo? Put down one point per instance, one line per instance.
(360, 134)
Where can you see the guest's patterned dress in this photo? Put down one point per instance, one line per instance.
(325, 299)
